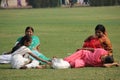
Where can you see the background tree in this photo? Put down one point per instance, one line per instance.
(44, 3)
(104, 2)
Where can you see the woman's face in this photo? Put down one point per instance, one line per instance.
(27, 43)
(99, 33)
(29, 32)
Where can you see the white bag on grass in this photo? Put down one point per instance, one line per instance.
(59, 63)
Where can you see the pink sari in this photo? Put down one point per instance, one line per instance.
(84, 58)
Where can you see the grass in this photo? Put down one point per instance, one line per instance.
(61, 31)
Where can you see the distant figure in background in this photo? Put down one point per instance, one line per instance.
(80, 2)
(71, 3)
(27, 2)
(67, 2)
(4, 3)
(86, 2)
(19, 3)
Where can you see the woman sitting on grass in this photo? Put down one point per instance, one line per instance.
(35, 44)
(20, 55)
(34, 47)
(99, 40)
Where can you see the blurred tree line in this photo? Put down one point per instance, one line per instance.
(57, 3)
(104, 2)
(43, 3)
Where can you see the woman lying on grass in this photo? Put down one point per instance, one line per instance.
(20, 55)
(90, 57)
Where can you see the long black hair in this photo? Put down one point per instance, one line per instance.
(29, 27)
(21, 42)
(109, 59)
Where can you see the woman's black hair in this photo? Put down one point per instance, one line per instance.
(21, 42)
(29, 27)
(101, 28)
(109, 59)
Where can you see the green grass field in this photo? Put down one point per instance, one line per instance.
(61, 31)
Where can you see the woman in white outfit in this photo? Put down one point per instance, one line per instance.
(20, 55)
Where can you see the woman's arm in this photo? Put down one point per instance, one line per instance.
(38, 48)
(111, 64)
(106, 43)
(39, 58)
(89, 49)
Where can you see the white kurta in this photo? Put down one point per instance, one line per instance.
(18, 60)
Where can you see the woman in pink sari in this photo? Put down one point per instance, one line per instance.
(90, 57)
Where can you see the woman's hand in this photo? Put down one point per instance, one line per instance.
(49, 63)
(78, 49)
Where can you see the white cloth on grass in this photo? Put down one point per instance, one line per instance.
(5, 58)
(59, 63)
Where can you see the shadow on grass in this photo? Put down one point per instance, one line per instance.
(5, 66)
